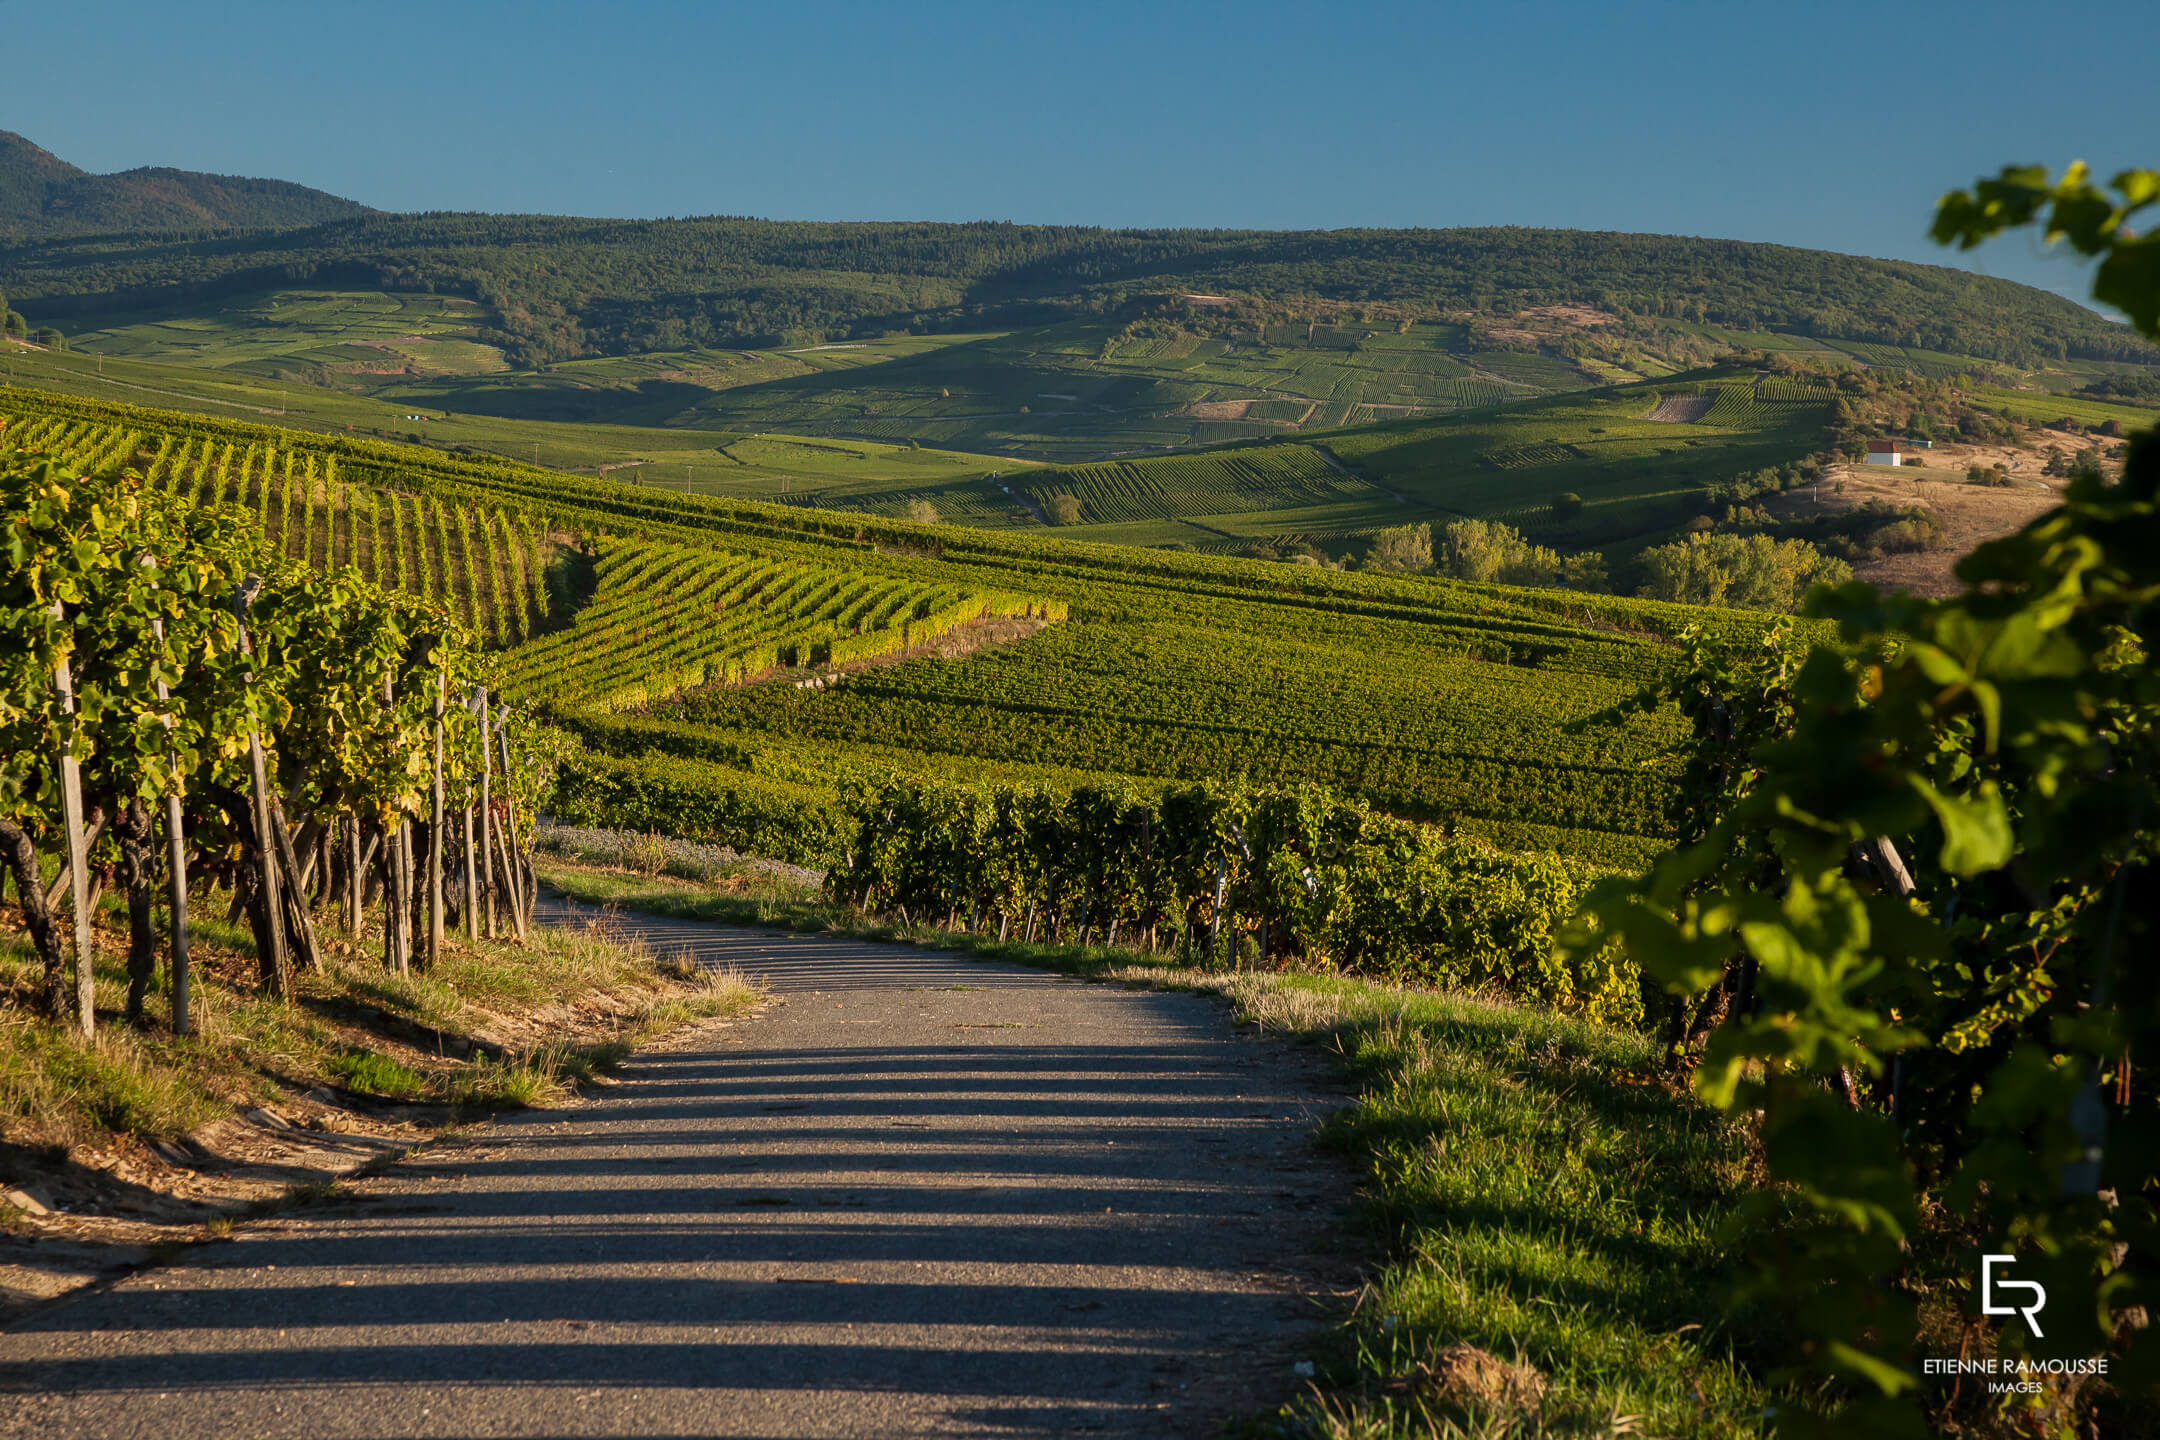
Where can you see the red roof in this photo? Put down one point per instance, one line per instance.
(1877, 447)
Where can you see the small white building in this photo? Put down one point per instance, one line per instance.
(1889, 452)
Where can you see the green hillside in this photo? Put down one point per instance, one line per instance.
(43, 195)
(559, 288)
(1636, 476)
(707, 649)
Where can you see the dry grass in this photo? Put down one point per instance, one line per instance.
(495, 1024)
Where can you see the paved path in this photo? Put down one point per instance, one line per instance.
(920, 1195)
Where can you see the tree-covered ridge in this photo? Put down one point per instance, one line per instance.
(563, 287)
(41, 194)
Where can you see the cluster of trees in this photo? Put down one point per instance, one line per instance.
(1900, 402)
(2139, 387)
(17, 328)
(1754, 572)
(1484, 551)
(2091, 460)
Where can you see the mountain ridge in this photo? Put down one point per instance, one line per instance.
(43, 195)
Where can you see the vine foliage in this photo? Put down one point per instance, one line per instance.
(1934, 876)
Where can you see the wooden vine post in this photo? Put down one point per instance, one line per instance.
(435, 829)
(513, 858)
(1215, 920)
(471, 907)
(408, 900)
(355, 875)
(71, 806)
(397, 874)
(276, 968)
(176, 866)
(487, 813)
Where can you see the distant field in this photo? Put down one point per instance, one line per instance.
(1504, 463)
(1083, 389)
(2082, 408)
(1076, 390)
(1635, 475)
(349, 338)
(699, 461)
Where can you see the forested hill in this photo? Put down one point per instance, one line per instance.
(41, 194)
(565, 287)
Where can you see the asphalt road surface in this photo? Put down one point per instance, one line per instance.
(918, 1195)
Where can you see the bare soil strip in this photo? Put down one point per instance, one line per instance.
(1682, 409)
(920, 1195)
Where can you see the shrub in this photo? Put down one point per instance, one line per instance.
(1402, 548)
(1752, 572)
(1487, 551)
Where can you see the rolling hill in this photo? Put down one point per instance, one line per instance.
(562, 287)
(43, 195)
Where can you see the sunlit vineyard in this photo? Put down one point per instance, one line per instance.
(1256, 478)
(1747, 407)
(1808, 390)
(710, 651)
(484, 563)
(667, 618)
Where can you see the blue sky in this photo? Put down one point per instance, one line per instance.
(1824, 124)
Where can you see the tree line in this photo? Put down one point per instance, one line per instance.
(560, 287)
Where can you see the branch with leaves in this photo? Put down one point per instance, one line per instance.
(1939, 878)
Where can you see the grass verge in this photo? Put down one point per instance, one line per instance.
(1555, 1216)
(495, 1024)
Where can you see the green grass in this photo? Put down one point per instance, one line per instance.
(367, 1073)
(1536, 1191)
(2085, 409)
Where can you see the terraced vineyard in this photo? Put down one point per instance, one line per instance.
(1747, 407)
(1430, 699)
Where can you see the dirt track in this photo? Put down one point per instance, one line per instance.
(920, 1195)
